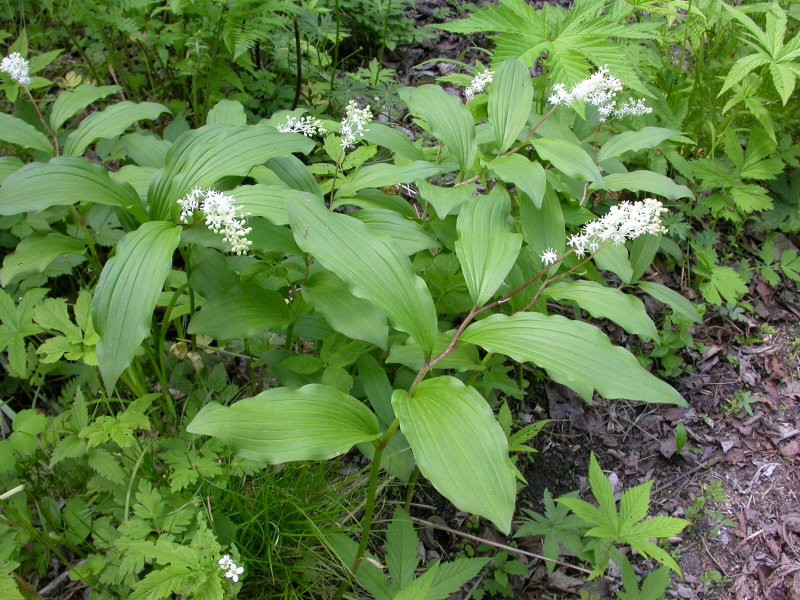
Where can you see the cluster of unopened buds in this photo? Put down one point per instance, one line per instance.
(222, 214)
(599, 90)
(308, 126)
(232, 571)
(17, 68)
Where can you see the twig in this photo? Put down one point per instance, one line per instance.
(56, 583)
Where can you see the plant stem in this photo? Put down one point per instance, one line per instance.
(335, 61)
(76, 216)
(42, 119)
(299, 82)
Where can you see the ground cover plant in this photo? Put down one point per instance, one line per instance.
(196, 315)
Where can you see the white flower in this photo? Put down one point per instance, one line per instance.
(478, 84)
(599, 90)
(222, 216)
(625, 221)
(633, 108)
(549, 257)
(231, 570)
(17, 68)
(354, 124)
(308, 126)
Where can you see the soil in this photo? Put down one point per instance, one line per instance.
(737, 478)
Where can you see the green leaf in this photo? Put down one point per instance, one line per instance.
(647, 181)
(603, 492)
(374, 269)
(420, 587)
(201, 157)
(227, 112)
(383, 175)
(634, 141)
(408, 234)
(8, 164)
(671, 298)
(543, 226)
(486, 248)
(268, 201)
(459, 447)
(394, 140)
(741, 68)
(354, 317)
(369, 574)
(315, 422)
(569, 158)
(402, 556)
(634, 505)
(453, 575)
(527, 176)
(243, 311)
(642, 251)
(724, 283)
(377, 387)
(110, 123)
(604, 302)
(69, 102)
(294, 173)
(61, 182)
(614, 258)
(445, 200)
(127, 293)
(510, 102)
(575, 354)
(35, 253)
(448, 120)
(18, 132)
(162, 583)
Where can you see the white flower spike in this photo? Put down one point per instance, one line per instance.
(625, 221)
(478, 84)
(223, 216)
(17, 68)
(354, 124)
(599, 90)
(308, 126)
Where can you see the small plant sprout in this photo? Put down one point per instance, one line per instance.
(232, 571)
(354, 124)
(308, 126)
(17, 68)
(223, 216)
(625, 221)
(478, 84)
(599, 90)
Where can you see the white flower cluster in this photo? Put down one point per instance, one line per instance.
(308, 126)
(625, 221)
(549, 257)
(232, 571)
(599, 90)
(354, 124)
(478, 84)
(222, 216)
(17, 68)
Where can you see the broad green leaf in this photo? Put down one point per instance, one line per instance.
(459, 447)
(268, 201)
(227, 112)
(110, 123)
(574, 354)
(543, 227)
(9, 164)
(315, 422)
(527, 176)
(642, 251)
(634, 141)
(510, 102)
(407, 234)
(445, 200)
(606, 303)
(354, 317)
(35, 253)
(486, 248)
(70, 102)
(127, 293)
(402, 556)
(63, 181)
(394, 140)
(383, 175)
(448, 120)
(19, 133)
(647, 181)
(294, 173)
(242, 311)
(377, 387)
(201, 157)
(614, 258)
(569, 158)
(375, 269)
(463, 358)
(671, 298)
(146, 150)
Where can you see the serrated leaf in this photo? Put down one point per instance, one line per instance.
(459, 447)
(110, 123)
(486, 248)
(723, 283)
(315, 422)
(162, 583)
(603, 492)
(127, 293)
(374, 269)
(453, 575)
(634, 505)
(402, 556)
(575, 354)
